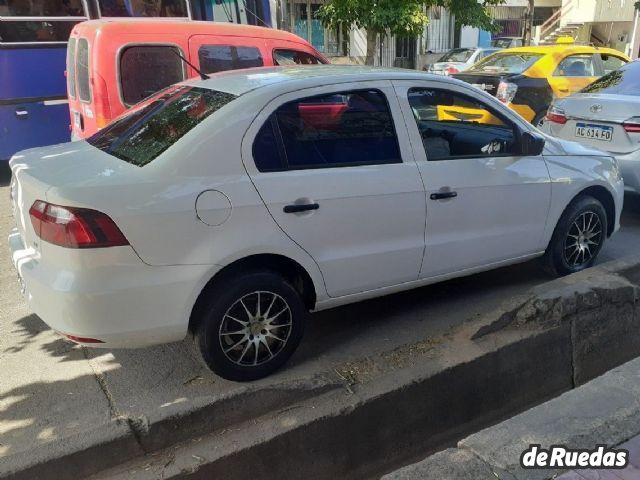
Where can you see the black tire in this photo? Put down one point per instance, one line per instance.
(562, 257)
(538, 119)
(221, 315)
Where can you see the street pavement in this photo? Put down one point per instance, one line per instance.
(52, 391)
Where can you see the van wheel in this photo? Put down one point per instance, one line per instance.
(578, 237)
(250, 326)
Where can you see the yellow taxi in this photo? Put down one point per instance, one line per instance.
(528, 79)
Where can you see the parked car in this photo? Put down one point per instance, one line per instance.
(605, 115)
(507, 42)
(230, 207)
(458, 60)
(527, 79)
(114, 64)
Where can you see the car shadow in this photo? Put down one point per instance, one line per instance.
(5, 174)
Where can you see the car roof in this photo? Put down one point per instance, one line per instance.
(239, 82)
(568, 48)
(151, 26)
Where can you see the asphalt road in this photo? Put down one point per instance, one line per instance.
(40, 372)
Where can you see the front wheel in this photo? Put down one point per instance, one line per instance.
(578, 237)
(250, 326)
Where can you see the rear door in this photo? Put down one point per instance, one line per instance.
(573, 73)
(214, 53)
(334, 167)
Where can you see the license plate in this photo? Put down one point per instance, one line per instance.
(595, 132)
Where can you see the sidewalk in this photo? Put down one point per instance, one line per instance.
(604, 411)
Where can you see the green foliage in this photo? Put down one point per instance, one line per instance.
(637, 4)
(402, 17)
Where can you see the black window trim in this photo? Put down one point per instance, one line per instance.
(282, 151)
(124, 47)
(90, 100)
(292, 49)
(517, 131)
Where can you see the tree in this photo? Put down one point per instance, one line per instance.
(400, 17)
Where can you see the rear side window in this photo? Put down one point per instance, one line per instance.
(219, 58)
(576, 66)
(71, 68)
(294, 57)
(82, 70)
(338, 130)
(624, 81)
(147, 69)
(142, 134)
(611, 63)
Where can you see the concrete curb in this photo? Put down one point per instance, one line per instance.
(605, 410)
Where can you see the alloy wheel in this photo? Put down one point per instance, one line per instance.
(584, 239)
(255, 328)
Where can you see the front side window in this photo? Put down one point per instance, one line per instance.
(147, 69)
(71, 68)
(576, 66)
(611, 62)
(294, 57)
(455, 126)
(219, 58)
(143, 8)
(144, 132)
(82, 70)
(624, 81)
(515, 63)
(338, 130)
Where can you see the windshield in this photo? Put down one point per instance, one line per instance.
(505, 42)
(506, 63)
(624, 81)
(457, 55)
(147, 130)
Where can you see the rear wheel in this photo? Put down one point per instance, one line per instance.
(251, 326)
(578, 237)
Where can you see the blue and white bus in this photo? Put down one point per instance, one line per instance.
(33, 43)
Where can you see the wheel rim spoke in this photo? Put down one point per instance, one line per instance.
(261, 332)
(583, 239)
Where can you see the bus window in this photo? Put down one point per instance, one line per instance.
(143, 8)
(19, 20)
(71, 68)
(82, 70)
(145, 70)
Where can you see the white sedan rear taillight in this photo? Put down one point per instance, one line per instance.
(632, 125)
(73, 227)
(556, 115)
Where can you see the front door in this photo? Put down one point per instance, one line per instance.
(486, 203)
(336, 172)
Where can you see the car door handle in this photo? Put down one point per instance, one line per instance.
(443, 195)
(301, 207)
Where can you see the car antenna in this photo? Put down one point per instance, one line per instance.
(203, 75)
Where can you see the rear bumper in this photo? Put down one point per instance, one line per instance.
(111, 296)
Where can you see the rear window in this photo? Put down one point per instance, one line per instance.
(143, 133)
(219, 58)
(71, 68)
(294, 57)
(82, 70)
(515, 63)
(457, 55)
(625, 81)
(147, 69)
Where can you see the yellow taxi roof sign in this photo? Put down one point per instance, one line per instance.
(565, 40)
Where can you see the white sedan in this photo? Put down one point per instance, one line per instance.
(228, 208)
(605, 115)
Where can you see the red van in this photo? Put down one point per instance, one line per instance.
(113, 64)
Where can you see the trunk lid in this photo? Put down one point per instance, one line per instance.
(485, 81)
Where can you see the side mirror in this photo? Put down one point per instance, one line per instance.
(532, 143)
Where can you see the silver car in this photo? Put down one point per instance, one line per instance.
(458, 60)
(605, 115)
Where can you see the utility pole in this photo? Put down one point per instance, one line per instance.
(528, 28)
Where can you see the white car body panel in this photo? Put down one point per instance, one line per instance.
(202, 205)
(613, 110)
